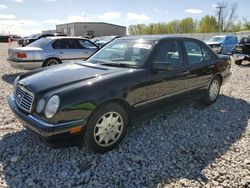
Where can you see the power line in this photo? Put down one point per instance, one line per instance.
(220, 20)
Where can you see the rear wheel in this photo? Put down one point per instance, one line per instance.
(238, 62)
(51, 62)
(106, 128)
(213, 91)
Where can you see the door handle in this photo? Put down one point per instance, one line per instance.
(183, 73)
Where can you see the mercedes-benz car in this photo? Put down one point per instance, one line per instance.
(51, 51)
(95, 99)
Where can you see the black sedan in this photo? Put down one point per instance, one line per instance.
(94, 99)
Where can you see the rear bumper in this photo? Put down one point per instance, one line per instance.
(43, 128)
(27, 65)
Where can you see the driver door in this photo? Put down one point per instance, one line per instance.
(163, 84)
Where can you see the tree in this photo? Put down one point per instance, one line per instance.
(227, 14)
(137, 29)
(187, 25)
(208, 24)
(246, 25)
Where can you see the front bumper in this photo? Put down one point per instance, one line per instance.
(43, 128)
(237, 57)
(26, 65)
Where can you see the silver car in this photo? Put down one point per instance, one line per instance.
(51, 51)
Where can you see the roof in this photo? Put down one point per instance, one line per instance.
(157, 37)
(92, 23)
(224, 36)
(65, 37)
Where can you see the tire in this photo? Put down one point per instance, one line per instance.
(51, 62)
(238, 62)
(213, 91)
(98, 135)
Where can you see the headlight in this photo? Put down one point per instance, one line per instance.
(16, 81)
(40, 106)
(52, 106)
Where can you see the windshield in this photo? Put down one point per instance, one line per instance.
(123, 52)
(216, 39)
(40, 42)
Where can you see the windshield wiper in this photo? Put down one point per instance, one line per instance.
(125, 65)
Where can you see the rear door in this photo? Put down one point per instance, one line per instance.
(87, 48)
(230, 44)
(68, 49)
(200, 63)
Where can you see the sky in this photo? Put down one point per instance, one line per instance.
(25, 17)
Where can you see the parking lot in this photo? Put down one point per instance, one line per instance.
(190, 145)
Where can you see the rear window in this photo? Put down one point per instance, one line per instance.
(40, 42)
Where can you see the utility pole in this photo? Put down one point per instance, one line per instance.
(220, 21)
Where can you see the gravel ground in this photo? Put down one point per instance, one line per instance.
(188, 146)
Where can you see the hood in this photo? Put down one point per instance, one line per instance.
(213, 43)
(63, 75)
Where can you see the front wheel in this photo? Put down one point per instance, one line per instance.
(106, 128)
(238, 62)
(213, 91)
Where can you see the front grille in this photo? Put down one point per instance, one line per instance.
(24, 98)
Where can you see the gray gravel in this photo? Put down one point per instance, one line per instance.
(188, 146)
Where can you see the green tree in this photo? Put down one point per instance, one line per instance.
(246, 25)
(208, 24)
(187, 25)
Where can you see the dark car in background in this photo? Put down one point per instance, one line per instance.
(95, 99)
(223, 44)
(4, 38)
(242, 51)
(35, 37)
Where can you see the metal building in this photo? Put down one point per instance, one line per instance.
(48, 31)
(90, 29)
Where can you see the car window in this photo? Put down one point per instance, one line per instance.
(193, 51)
(169, 52)
(87, 44)
(66, 44)
(40, 43)
(206, 54)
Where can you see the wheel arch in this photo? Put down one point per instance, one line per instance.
(122, 102)
(52, 57)
(218, 75)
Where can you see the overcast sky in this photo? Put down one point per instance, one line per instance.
(26, 17)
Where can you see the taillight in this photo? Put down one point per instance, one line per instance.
(21, 55)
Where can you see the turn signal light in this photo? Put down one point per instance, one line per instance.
(75, 129)
(21, 55)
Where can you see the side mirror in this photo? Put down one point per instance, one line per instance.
(162, 66)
